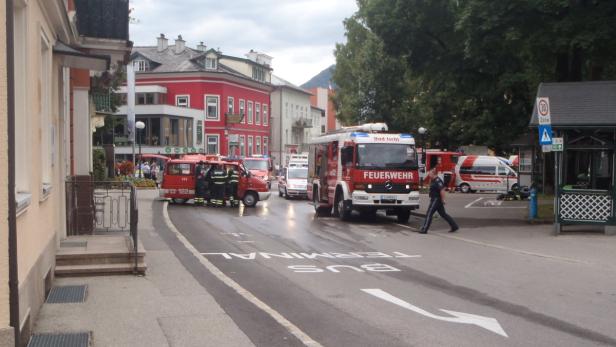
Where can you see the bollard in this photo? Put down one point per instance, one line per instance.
(532, 210)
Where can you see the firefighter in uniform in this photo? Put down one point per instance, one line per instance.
(233, 178)
(201, 183)
(219, 177)
(437, 203)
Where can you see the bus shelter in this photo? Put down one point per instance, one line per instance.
(584, 115)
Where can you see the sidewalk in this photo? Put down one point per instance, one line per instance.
(167, 307)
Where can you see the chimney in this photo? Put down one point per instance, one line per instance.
(179, 45)
(162, 42)
(201, 47)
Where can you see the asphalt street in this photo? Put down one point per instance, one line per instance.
(373, 282)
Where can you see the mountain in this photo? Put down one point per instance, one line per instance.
(322, 79)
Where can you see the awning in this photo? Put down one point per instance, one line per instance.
(71, 57)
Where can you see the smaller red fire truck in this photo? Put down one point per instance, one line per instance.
(366, 169)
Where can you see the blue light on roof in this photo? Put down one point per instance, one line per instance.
(406, 136)
(359, 134)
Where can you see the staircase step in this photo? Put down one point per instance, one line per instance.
(91, 259)
(99, 269)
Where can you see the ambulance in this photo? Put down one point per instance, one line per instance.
(363, 168)
(484, 173)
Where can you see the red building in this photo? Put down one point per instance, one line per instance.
(200, 100)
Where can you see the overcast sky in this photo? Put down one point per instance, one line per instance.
(299, 34)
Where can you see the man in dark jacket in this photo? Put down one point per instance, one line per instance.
(219, 178)
(233, 179)
(201, 183)
(437, 203)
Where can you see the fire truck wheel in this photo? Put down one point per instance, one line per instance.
(179, 201)
(341, 208)
(465, 188)
(403, 216)
(250, 199)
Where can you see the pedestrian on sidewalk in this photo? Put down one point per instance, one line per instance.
(437, 203)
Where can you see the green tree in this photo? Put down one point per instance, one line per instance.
(372, 86)
(473, 66)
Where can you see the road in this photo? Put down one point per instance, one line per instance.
(289, 278)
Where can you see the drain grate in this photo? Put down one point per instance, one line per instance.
(67, 294)
(73, 243)
(64, 340)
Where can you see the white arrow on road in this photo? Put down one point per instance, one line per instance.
(487, 323)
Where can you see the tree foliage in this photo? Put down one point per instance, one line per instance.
(467, 70)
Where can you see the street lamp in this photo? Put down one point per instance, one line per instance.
(140, 126)
(422, 132)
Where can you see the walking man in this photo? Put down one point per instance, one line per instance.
(437, 203)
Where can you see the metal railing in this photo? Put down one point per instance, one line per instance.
(102, 207)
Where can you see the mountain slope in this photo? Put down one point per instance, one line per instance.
(322, 79)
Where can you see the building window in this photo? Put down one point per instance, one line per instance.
(322, 129)
(249, 146)
(174, 140)
(258, 144)
(242, 108)
(265, 115)
(46, 127)
(257, 114)
(182, 101)
(265, 145)
(210, 63)
(211, 102)
(23, 119)
(230, 102)
(141, 65)
(212, 144)
(249, 112)
(258, 73)
(242, 146)
(144, 98)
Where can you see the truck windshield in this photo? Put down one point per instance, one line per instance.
(386, 156)
(295, 173)
(256, 164)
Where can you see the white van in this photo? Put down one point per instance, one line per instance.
(485, 173)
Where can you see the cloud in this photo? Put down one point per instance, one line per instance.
(299, 34)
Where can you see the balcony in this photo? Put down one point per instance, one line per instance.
(302, 123)
(102, 103)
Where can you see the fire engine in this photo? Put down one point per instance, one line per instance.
(366, 169)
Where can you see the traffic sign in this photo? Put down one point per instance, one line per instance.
(546, 148)
(543, 111)
(557, 144)
(545, 134)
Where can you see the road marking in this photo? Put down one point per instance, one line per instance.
(474, 201)
(246, 241)
(515, 250)
(487, 323)
(310, 256)
(293, 329)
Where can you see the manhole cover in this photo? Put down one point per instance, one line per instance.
(67, 294)
(64, 340)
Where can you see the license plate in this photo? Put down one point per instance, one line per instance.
(387, 199)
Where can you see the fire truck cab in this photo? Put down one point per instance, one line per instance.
(366, 169)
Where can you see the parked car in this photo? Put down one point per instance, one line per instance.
(486, 173)
(179, 181)
(293, 182)
(260, 166)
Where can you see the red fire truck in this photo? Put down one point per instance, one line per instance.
(366, 169)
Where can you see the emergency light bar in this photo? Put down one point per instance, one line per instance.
(368, 127)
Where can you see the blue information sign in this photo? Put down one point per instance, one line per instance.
(545, 134)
